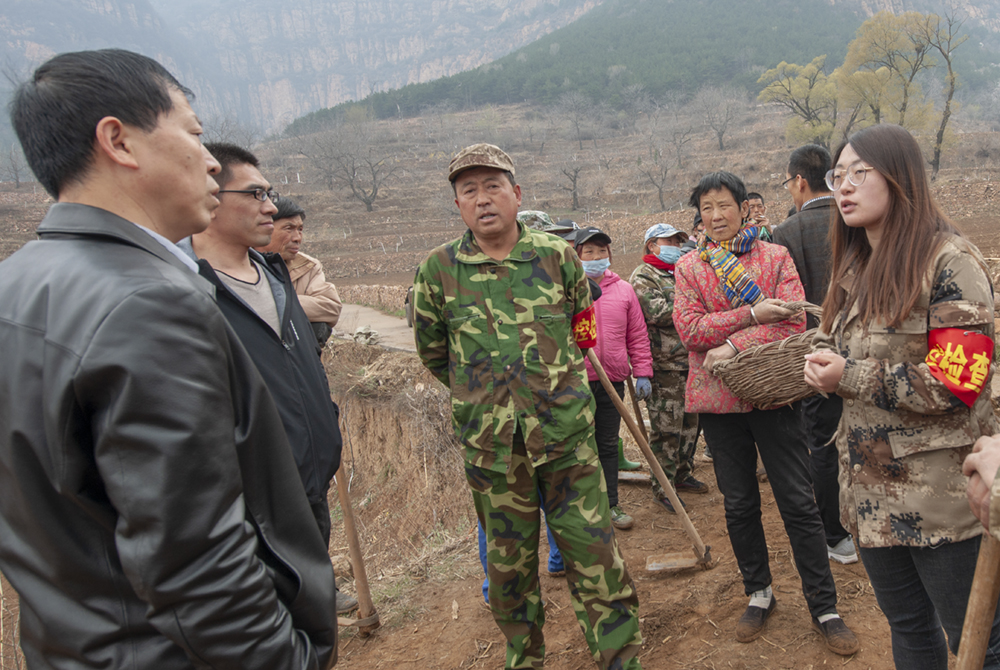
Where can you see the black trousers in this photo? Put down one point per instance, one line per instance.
(607, 421)
(820, 418)
(321, 511)
(777, 433)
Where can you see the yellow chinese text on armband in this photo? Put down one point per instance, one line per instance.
(585, 328)
(961, 360)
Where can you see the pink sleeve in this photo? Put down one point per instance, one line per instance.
(699, 328)
(639, 353)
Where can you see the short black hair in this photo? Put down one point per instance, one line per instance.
(715, 181)
(56, 112)
(812, 162)
(752, 196)
(229, 155)
(287, 209)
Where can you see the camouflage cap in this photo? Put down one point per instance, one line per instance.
(659, 230)
(536, 219)
(480, 155)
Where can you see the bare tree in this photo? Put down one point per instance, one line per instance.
(573, 175)
(942, 34)
(720, 108)
(655, 113)
(351, 156)
(229, 129)
(656, 173)
(13, 166)
(679, 135)
(635, 102)
(576, 107)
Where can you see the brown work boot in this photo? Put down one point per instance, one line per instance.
(839, 638)
(753, 621)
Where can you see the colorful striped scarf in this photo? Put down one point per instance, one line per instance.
(740, 288)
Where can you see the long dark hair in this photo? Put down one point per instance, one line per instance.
(888, 280)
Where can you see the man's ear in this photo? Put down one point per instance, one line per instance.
(114, 140)
(745, 210)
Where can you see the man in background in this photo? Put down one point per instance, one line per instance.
(317, 296)
(256, 296)
(758, 214)
(805, 235)
(151, 512)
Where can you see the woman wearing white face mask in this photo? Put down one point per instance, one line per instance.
(623, 349)
(673, 432)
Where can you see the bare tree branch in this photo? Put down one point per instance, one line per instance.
(351, 156)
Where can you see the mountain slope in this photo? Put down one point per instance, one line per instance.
(668, 45)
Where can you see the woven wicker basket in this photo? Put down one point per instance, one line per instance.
(770, 375)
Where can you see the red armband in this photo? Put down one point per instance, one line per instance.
(961, 360)
(585, 328)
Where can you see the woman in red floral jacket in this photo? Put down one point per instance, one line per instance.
(729, 297)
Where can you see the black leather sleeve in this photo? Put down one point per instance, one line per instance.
(158, 375)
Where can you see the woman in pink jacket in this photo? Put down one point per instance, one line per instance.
(623, 349)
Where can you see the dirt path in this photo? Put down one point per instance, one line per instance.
(687, 619)
(394, 331)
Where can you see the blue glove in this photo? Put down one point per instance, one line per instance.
(643, 388)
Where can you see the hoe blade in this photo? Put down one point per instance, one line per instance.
(678, 561)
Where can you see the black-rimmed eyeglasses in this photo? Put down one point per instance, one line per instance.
(855, 173)
(261, 194)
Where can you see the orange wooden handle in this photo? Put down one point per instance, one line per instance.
(982, 606)
(654, 465)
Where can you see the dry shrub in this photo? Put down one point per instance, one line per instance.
(401, 457)
(10, 653)
(385, 298)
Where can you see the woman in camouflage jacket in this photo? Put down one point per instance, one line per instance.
(906, 340)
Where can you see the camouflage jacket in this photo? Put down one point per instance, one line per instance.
(904, 434)
(655, 289)
(499, 335)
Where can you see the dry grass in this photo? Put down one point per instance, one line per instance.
(10, 616)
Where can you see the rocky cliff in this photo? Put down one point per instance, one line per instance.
(270, 61)
(285, 59)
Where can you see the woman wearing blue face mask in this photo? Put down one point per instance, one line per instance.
(673, 432)
(623, 349)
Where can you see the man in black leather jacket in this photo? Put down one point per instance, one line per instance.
(256, 295)
(151, 513)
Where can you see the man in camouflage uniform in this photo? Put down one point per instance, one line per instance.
(673, 432)
(499, 314)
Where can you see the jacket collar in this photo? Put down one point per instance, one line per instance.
(819, 201)
(468, 250)
(274, 278)
(65, 218)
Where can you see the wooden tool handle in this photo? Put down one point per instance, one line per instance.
(638, 412)
(982, 606)
(366, 608)
(654, 465)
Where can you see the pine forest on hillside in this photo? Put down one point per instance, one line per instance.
(667, 48)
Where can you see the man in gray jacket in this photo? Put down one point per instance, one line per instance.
(151, 513)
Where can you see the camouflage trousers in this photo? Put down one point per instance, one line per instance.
(673, 433)
(576, 507)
